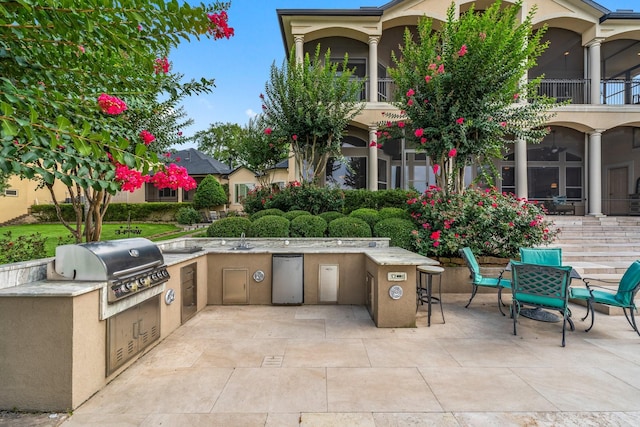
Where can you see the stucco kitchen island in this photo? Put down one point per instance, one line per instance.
(54, 336)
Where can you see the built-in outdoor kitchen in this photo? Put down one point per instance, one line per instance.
(70, 324)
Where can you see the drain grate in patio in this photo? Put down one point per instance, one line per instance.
(272, 361)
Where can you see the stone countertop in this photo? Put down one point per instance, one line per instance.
(52, 288)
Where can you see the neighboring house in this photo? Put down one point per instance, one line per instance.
(21, 194)
(242, 181)
(591, 155)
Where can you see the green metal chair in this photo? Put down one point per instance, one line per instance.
(541, 286)
(542, 256)
(624, 297)
(478, 280)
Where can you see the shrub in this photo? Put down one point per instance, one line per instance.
(269, 226)
(489, 222)
(187, 215)
(356, 199)
(349, 227)
(24, 248)
(398, 230)
(370, 216)
(304, 197)
(266, 212)
(386, 213)
(293, 214)
(232, 226)
(209, 194)
(308, 226)
(330, 216)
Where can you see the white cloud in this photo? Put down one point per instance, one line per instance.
(250, 113)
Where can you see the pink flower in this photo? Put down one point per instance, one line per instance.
(179, 133)
(435, 235)
(161, 65)
(441, 69)
(410, 93)
(81, 48)
(503, 124)
(436, 169)
(389, 124)
(294, 137)
(423, 140)
(373, 144)
(460, 120)
(463, 50)
(111, 105)
(139, 27)
(400, 124)
(221, 28)
(432, 66)
(419, 132)
(427, 79)
(268, 131)
(410, 102)
(261, 96)
(147, 137)
(453, 152)
(516, 95)
(436, 244)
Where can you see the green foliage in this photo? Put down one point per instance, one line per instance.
(368, 215)
(309, 105)
(272, 211)
(232, 226)
(269, 226)
(21, 249)
(330, 216)
(349, 227)
(308, 226)
(187, 215)
(386, 213)
(355, 199)
(294, 196)
(58, 58)
(489, 222)
(458, 87)
(295, 213)
(117, 212)
(398, 230)
(222, 142)
(209, 194)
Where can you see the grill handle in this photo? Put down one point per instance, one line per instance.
(137, 268)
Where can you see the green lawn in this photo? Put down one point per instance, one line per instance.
(57, 234)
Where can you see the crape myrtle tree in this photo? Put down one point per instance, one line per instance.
(463, 93)
(308, 106)
(79, 84)
(261, 151)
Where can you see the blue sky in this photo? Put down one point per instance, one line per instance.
(240, 65)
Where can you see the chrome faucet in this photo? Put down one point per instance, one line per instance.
(243, 242)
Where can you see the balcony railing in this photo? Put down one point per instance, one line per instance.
(620, 92)
(574, 90)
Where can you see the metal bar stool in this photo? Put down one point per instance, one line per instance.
(425, 286)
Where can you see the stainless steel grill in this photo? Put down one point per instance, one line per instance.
(127, 265)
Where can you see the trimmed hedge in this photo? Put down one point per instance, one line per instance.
(385, 213)
(330, 216)
(398, 230)
(266, 212)
(349, 227)
(356, 199)
(269, 226)
(308, 226)
(232, 226)
(116, 212)
(295, 213)
(187, 215)
(370, 216)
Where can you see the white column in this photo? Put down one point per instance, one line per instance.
(373, 68)
(594, 173)
(372, 179)
(299, 40)
(594, 70)
(522, 186)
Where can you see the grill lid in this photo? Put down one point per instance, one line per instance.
(107, 260)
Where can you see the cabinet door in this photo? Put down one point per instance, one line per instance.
(148, 322)
(189, 292)
(123, 338)
(235, 288)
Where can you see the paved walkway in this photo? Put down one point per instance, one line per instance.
(330, 366)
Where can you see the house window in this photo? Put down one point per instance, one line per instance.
(242, 190)
(350, 174)
(11, 193)
(509, 179)
(166, 192)
(574, 183)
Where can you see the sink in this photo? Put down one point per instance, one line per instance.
(241, 248)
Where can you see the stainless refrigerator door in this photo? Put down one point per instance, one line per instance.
(287, 286)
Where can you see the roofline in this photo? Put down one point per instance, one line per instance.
(363, 11)
(620, 15)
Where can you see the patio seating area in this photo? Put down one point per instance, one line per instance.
(328, 365)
